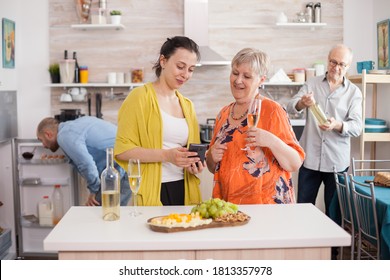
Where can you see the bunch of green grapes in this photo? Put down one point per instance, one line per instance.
(214, 208)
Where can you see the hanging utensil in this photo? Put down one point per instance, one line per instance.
(99, 106)
(89, 104)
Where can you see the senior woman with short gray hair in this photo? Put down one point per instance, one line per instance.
(261, 172)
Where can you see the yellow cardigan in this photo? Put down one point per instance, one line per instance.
(140, 125)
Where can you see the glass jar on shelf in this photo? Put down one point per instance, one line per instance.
(299, 75)
(137, 75)
(83, 74)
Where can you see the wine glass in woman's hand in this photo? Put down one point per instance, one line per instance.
(253, 114)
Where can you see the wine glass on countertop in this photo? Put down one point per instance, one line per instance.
(134, 174)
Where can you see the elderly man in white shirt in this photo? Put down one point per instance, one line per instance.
(327, 145)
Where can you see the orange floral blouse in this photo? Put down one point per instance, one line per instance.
(254, 176)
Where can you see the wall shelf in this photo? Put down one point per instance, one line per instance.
(27, 182)
(311, 25)
(43, 161)
(282, 84)
(96, 85)
(374, 79)
(98, 26)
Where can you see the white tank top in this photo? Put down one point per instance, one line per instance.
(175, 134)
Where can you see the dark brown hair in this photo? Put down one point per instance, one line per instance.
(171, 45)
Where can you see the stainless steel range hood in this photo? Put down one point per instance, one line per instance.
(196, 27)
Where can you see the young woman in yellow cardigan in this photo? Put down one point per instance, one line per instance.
(156, 124)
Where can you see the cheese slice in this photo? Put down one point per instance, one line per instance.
(180, 220)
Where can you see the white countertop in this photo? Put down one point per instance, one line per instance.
(271, 226)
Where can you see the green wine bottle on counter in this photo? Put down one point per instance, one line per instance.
(110, 189)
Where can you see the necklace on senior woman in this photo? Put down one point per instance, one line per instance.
(237, 118)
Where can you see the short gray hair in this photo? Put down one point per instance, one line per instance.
(344, 47)
(258, 60)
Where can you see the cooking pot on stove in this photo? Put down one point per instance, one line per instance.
(207, 130)
(68, 115)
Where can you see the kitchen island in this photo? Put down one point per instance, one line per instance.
(295, 231)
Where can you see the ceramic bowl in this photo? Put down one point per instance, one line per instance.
(78, 98)
(65, 97)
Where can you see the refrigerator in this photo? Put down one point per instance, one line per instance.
(8, 130)
(33, 179)
(8, 115)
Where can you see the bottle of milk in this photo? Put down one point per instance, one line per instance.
(45, 211)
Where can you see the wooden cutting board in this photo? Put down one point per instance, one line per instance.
(213, 224)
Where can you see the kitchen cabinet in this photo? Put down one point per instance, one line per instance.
(35, 178)
(374, 80)
(83, 234)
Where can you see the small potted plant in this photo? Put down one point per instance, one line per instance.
(54, 70)
(115, 16)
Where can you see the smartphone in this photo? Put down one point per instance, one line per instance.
(200, 149)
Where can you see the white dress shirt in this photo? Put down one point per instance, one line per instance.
(325, 149)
